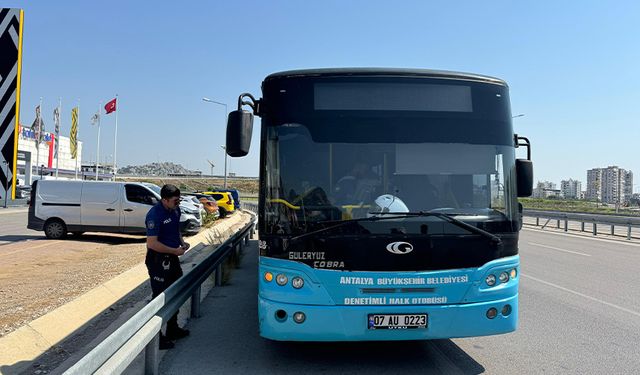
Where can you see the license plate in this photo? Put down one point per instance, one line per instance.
(397, 321)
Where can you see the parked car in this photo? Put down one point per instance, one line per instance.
(236, 196)
(224, 200)
(23, 192)
(60, 207)
(191, 212)
(210, 205)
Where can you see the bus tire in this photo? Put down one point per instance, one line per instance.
(55, 229)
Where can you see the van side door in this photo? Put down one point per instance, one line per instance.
(137, 202)
(100, 209)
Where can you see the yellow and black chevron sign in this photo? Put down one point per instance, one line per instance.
(10, 71)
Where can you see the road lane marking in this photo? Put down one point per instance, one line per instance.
(47, 243)
(621, 241)
(559, 249)
(583, 295)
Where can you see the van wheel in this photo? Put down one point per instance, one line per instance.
(55, 229)
(223, 212)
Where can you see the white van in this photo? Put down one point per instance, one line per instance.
(60, 207)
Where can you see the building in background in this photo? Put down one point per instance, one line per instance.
(571, 189)
(88, 172)
(42, 159)
(546, 189)
(612, 185)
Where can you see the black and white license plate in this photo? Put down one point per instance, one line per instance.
(397, 321)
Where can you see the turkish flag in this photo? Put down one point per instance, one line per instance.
(110, 106)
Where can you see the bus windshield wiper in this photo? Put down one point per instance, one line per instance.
(399, 215)
(449, 218)
(341, 223)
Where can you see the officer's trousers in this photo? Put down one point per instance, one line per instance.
(164, 270)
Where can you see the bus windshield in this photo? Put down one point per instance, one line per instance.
(309, 182)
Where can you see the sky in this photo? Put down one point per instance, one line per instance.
(572, 68)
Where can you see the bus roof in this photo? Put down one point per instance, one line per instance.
(326, 72)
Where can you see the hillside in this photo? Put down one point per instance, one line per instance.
(155, 169)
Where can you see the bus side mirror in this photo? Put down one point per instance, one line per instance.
(239, 129)
(524, 177)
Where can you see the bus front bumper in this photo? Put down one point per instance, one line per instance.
(350, 323)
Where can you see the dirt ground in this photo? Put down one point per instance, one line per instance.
(37, 276)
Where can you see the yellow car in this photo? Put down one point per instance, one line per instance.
(225, 201)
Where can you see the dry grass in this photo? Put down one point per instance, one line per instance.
(245, 186)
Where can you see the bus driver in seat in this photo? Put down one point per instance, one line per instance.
(358, 186)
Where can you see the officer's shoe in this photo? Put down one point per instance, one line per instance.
(165, 343)
(177, 333)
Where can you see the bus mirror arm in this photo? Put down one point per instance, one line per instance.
(524, 168)
(240, 126)
(525, 142)
(254, 104)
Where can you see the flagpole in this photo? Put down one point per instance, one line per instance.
(98, 148)
(37, 138)
(58, 135)
(77, 126)
(115, 144)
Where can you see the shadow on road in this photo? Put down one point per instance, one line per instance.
(19, 237)
(425, 357)
(108, 239)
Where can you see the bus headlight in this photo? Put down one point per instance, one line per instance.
(504, 277)
(492, 313)
(491, 280)
(297, 282)
(268, 277)
(281, 279)
(299, 317)
(513, 273)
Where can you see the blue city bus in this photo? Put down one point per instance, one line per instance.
(388, 204)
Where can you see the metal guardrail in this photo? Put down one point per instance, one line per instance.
(142, 331)
(250, 206)
(594, 219)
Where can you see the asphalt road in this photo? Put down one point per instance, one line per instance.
(579, 314)
(13, 226)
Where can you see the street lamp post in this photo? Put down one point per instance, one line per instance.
(225, 165)
(223, 147)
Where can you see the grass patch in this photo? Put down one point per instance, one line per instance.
(579, 206)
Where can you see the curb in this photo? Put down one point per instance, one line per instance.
(33, 339)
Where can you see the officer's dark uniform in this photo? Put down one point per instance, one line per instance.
(163, 268)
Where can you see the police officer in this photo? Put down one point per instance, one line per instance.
(164, 245)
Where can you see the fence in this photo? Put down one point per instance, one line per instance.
(142, 331)
(629, 224)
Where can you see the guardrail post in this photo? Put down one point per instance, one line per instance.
(612, 229)
(195, 302)
(219, 275)
(537, 221)
(595, 229)
(566, 225)
(629, 232)
(152, 356)
(582, 226)
(558, 223)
